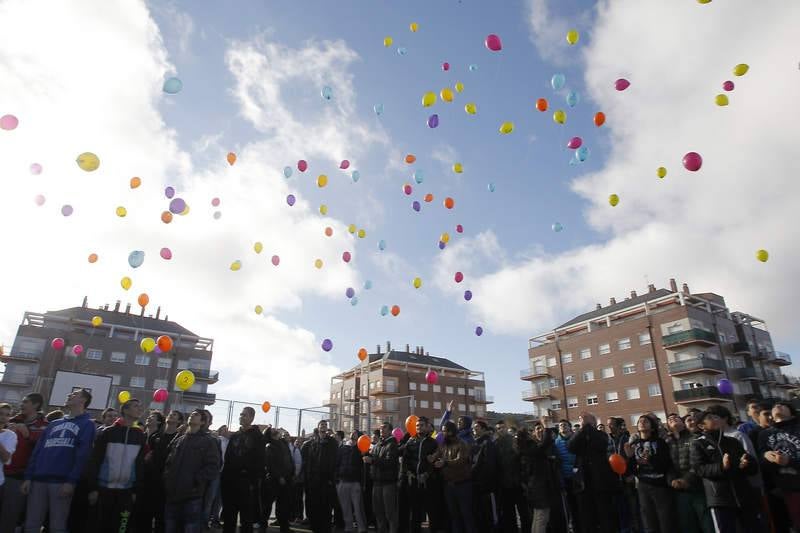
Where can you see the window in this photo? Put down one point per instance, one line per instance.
(612, 396)
(722, 338)
(675, 328)
(164, 362)
(472, 408)
(470, 392)
(588, 376)
(644, 338)
(604, 349)
(118, 357)
(632, 393)
(143, 360)
(555, 404)
(423, 387)
(569, 380)
(566, 358)
(412, 386)
(423, 404)
(553, 383)
(734, 362)
(628, 368)
(462, 407)
(591, 399)
(634, 419)
(586, 353)
(137, 381)
(654, 389)
(94, 354)
(437, 405)
(608, 372)
(437, 388)
(160, 383)
(649, 364)
(461, 391)
(551, 361)
(448, 390)
(183, 364)
(572, 401)
(624, 344)
(115, 379)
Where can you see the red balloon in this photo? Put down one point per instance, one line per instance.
(57, 343)
(618, 464)
(459, 277)
(346, 257)
(432, 377)
(541, 104)
(396, 311)
(160, 396)
(493, 43)
(302, 165)
(599, 118)
(692, 161)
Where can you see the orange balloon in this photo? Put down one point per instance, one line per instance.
(362, 354)
(395, 310)
(599, 118)
(410, 158)
(92, 258)
(329, 231)
(449, 203)
(363, 443)
(144, 299)
(541, 104)
(164, 343)
(135, 182)
(266, 406)
(618, 464)
(231, 158)
(411, 425)
(429, 197)
(166, 217)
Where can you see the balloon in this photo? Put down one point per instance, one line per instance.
(618, 464)
(231, 157)
(471, 108)
(66, 210)
(725, 386)
(276, 260)
(558, 81)
(574, 143)
(479, 331)
(9, 122)
(599, 118)
(493, 43)
(362, 353)
(557, 227)
(135, 182)
(291, 200)
(740, 69)
(621, 84)
(411, 425)
(395, 310)
(326, 93)
(762, 255)
(266, 406)
(346, 257)
(143, 299)
(147, 344)
(123, 396)
(417, 283)
(446, 95)
(378, 108)
(431, 377)
(57, 343)
(428, 197)
(468, 295)
(661, 172)
(572, 36)
(506, 128)
(258, 247)
(184, 379)
(39, 199)
(416, 206)
(121, 212)
(236, 265)
(397, 433)
(318, 263)
(381, 245)
(459, 277)
(302, 165)
(126, 283)
(92, 258)
(459, 228)
(323, 209)
(559, 116)
(77, 349)
(582, 153)
(572, 98)
(384, 310)
(160, 395)
(351, 228)
(177, 205)
(36, 169)
(442, 245)
(433, 121)
(172, 86)
(363, 443)
(169, 192)
(368, 284)
(217, 214)
(721, 100)
(166, 217)
(428, 99)
(459, 87)
(491, 187)
(350, 292)
(401, 50)
(413, 27)
(322, 180)
(258, 309)
(97, 321)
(185, 210)
(355, 176)
(613, 200)
(458, 168)
(164, 343)
(703, 1)
(387, 41)
(407, 189)
(419, 176)
(88, 161)
(541, 104)
(449, 203)
(445, 66)
(329, 231)
(327, 345)
(410, 158)
(445, 237)
(692, 161)
(344, 165)
(728, 86)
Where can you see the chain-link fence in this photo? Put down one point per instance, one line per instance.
(297, 421)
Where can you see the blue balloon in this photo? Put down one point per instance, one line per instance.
(582, 153)
(368, 284)
(573, 161)
(468, 295)
(350, 292)
(479, 331)
(172, 86)
(384, 310)
(416, 206)
(433, 121)
(355, 176)
(287, 172)
(491, 187)
(354, 301)
(381, 245)
(327, 93)
(473, 67)
(442, 245)
(558, 81)
(136, 258)
(557, 227)
(378, 109)
(419, 176)
(401, 51)
(573, 98)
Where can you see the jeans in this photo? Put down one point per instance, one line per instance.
(658, 508)
(693, 515)
(212, 493)
(349, 493)
(184, 517)
(540, 519)
(384, 503)
(459, 504)
(13, 505)
(45, 499)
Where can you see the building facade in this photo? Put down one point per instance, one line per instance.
(661, 352)
(389, 386)
(111, 349)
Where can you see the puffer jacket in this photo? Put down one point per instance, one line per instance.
(457, 461)
(385, 464)
(485, 465)
(783, 437)
(723, 488)
(567, 459)
(539, 462)
(193, 461)
(680, 449)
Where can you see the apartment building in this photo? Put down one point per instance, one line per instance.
(663, 351)
(389, 386)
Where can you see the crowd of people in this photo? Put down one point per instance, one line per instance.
(700, 472)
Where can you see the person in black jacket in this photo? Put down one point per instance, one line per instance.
(385, 469)
(485, 467)
(595, 483)
(319, 473)
(512, 498)
(241, 475)
(276, 487)
(690, 502)
(539, 470)
(779, 453)
(426, 488)
(349, 472)
(724, 466)
(650, 461)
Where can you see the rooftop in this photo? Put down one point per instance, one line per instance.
(111, 317)
(415, 358)
(619, 306)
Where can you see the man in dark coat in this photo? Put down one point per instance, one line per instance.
(319, 473)
(385, 469)
(779, 452)
(425, 484)
(485, 470)
(277, 483)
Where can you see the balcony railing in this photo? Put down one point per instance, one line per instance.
(484, 399)
(537, 393)
(205, 398)
(699, 394)
(713, 366)
(779, 358)
(761, 355)
(740, 348)
(744, 374)
(539, 371)
(19, 356)
(205, 374)
(18, 379)
(691, 336)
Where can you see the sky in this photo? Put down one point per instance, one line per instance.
(89, 78)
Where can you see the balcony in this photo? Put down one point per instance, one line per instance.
(701, 394)
(537, 393)
(740, 348)
(203, 374)
(760, 355)
(779, 358)
(786, 382)
(744, 374)
(484, 399)
(204, 398)
(383, 390)
(384, 407)
(699, 365)
(329, 402)
(529, 374)
(692, 336)
(770, 377)
(25, 357)
(18, 380)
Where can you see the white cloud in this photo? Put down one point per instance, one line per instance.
(548, 30)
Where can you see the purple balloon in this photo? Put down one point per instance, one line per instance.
(442, 245)
(433, 121)
(327, 345)
(416, 206)
(291, 200)
(479, 331)
(440, 438)
(350, 292)
(177, 206)
(468, 295)
(66, 210)
(169, 192)
(725, 386)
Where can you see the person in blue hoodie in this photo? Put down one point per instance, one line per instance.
(56, 465)
(463, 423)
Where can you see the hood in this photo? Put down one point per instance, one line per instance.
(467, 423)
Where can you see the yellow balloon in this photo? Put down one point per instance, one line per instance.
(613, 200)
(185, 210)
(318, 263)
(97, 321)
(322, 181)
(387, 41)
(414, 27)
(762, 255)
(148, 344)
(258, 247)
(351, 228)
(123, 396)
(559, 117)
(741, 69)
(126, 283)
(236, 265)
(417, 283)
(428, 99)
(661, 172)
(445, 237)
(88, 161)
(259, 309)
(323, 209)
(459, 87)
(573, 36)
(471, 108)
(458, 168)
(703, 1)
(184, 379)
(362, 234)
(121, 211)
(721, 100)
(446, 94)
(506, 128)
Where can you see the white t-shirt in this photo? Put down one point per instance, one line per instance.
(9, 441)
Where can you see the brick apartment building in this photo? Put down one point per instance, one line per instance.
(663, 351)
(111, 349)
(389, 386)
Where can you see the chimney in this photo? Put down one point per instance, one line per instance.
(686, 289)
(158, 312)
(672, 285)
(408, 348)
(105, 307)
(612, 301)
(651, 288)
(166, 318)
(127, 308)
(116, 307)
(378, 349)
(85, 303)
(633, 294)
(598, 307)
(428, 354)
(388, 346)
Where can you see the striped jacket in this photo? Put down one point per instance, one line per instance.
(117, 461)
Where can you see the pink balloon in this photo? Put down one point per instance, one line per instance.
(77, 349)
(397, 433)
(575, 143)
(459, 228)
(39, 199)
(276, 260)
(493, 43)
(160, 396)
(445, 66)
(459, 277)
(692, 161)
(621, 84)
(407, 189)
(727, 86)
(346, 257)
(302, 165)
(432, 377)
(57, 343)
(345, 164)
(36, 169)
(166, 253)
(215, 202)
(9, 122)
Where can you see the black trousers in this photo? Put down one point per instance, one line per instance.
(149, 507)
(319, 505)
(427, 500)
(240, 502)
(114, 510)
(597, 512)
(513, 502)
(272, 492)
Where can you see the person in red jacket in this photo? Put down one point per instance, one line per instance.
(29, 425)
